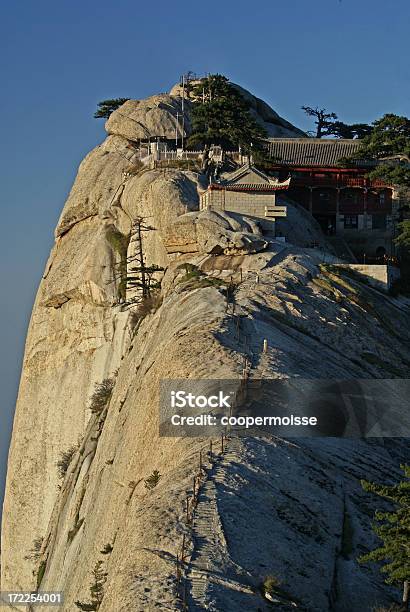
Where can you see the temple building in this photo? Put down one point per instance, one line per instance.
(247, 191)
(343, 200)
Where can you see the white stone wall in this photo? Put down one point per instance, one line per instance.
(244, 203)
(378, 276)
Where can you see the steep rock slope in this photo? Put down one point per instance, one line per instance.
(267, 506)
(159, 115)
(77, 334)
(80, 334)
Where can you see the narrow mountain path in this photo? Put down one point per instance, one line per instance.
(212, 574)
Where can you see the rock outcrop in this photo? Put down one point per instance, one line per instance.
(275, 125)
(215, 233)
(266, 506)
(159, 115)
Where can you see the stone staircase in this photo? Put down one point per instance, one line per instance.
(210, 547)
(230, 456)
(204, 537)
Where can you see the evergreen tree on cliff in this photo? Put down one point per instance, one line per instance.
(389, 138)
(324, 120)
(393, 529)
(327, 125)
(389, 143)
(220, 116)
(106, 107)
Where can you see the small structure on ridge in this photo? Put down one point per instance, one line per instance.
(247, 191)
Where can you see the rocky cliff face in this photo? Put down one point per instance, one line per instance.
(265, 506)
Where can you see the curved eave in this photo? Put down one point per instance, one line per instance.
(250, 187)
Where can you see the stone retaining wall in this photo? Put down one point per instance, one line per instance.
(378, 276)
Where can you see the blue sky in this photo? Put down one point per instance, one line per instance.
(60, 58)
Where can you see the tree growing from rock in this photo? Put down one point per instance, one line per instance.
(220, 116)
(65, 460)
(106, 107)
(152, 480)
(132, 271)
(96, 589)
(34, 553)
(101, 395)
(393, 529)
(119, 243)
(139, 274)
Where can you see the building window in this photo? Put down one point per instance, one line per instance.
(351, 222)
(382, 197)
(351, 196)
(324, 195)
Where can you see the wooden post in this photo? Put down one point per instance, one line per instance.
(210, 450)
(140, 258)
(187, 509)
(337, 208)
(185, 603)
(183, 549)
(222, 443)
(200, 461)
(178, 575)
(194, 487)
(406, 593)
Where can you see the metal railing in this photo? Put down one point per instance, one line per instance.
(339, 182)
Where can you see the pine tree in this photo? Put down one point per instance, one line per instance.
(393, 529)
(220, 116)
(140, 275)
(106, 107)
(152, 480)
(96, 589)
(327, 125)
(352, 130)
(390, 136)
(132, 271)
(403, 239)
(389, 145)
(323, 120)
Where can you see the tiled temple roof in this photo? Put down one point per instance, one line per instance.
(311, 151)
(261, 187)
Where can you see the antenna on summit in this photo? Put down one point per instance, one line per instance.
(183, 112)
